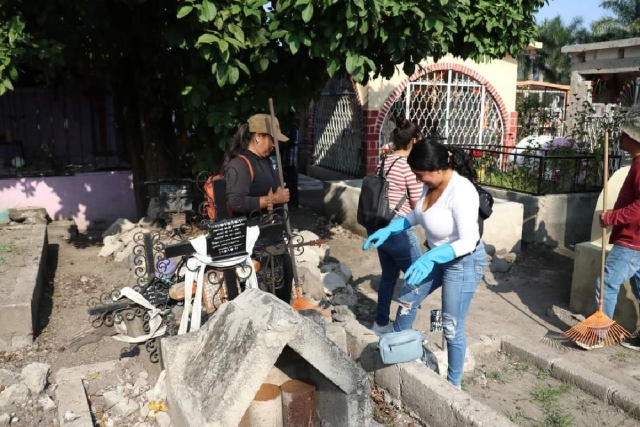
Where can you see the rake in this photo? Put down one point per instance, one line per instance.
(598, 330)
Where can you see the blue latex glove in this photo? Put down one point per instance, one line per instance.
(420, 269)
(396, 226)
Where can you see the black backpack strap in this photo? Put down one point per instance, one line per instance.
(404, 198)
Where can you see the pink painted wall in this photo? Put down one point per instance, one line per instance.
(93, 199)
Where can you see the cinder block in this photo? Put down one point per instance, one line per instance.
(540, 357)
(626, 399)
(589, 381)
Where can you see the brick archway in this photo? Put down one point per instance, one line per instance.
(391, 99)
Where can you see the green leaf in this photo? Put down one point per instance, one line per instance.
(243, 67)
(351, 63)
(278, 34)
(294, 45)
(444, 2)
(8, 84)
(263, 63)
(439, 26)
(208, 11)
(307, 13)
(184, 11)
(221, 75)
(237, 32)
(186, 90)
(333, 66)
(207, 39)
(234, 75)
(359, 3)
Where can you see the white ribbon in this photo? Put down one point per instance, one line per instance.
(156, 328)
(195, 273)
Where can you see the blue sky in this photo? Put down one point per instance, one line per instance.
(568, 9)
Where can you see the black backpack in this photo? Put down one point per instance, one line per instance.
(486, 206)
(374, 212)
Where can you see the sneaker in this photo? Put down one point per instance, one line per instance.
(382, 330)
(632, 343)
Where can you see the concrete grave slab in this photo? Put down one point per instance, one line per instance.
(214, 374)
(20, 293)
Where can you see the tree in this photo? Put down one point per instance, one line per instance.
(209, 64)
(553, 34)
(624, 23)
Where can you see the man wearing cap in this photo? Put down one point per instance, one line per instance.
(623, 261)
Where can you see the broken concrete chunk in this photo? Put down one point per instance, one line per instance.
(498, 265)
(510, 257)
(123, 254)
(332, 281)
(163, 419)
(17, 394)
(9, 378)
(345, 296)
(111, 246)
(120, 225)
(342, 313)
(46, 403)
(311, 282)
(35, 376)
(30, 215)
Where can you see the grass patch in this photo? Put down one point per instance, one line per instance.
(557, 418)
(520, 367)
(518, 417)
(495, 376)
(619, 357)
(543, 375)
(6, 248)
(549, 395)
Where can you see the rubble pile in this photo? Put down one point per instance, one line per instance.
(325, 281)
(27, 395)
(498, 262)
(118, 240)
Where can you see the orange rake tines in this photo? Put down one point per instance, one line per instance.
(598, 330)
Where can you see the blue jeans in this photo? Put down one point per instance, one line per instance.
(459, 280)
(397, 253)
(622, 264)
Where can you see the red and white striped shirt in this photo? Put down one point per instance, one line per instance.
(401, 182)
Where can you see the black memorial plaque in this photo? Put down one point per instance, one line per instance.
(228, 238)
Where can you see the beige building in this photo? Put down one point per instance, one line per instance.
(460, 101)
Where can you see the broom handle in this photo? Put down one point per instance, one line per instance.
(286, 205)
(604, 209)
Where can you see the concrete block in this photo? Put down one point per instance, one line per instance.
(438, 403)
(214, 374)
(19, 308)
(336, 333)
(589, 381)
(341, 203)
(389, 379)
(541, 357)
(626, 399)
(80, 372)
(363, 346)
(503, 229)
(586, 268)
(71, 396)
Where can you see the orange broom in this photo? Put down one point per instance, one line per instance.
(598, 330)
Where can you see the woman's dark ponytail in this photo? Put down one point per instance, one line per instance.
(462, 163)
(404, 132)
(240, 142)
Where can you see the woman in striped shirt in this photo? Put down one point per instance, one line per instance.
(401, 250)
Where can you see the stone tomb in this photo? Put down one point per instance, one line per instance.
(214, 374)
(586, 267)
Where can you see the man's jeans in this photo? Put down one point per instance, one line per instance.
(397, 253)
(622, 264)
(459, 280)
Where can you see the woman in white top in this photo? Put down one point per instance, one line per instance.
(456, 259)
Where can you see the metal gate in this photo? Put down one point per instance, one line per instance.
(337, 128)
(449, 105)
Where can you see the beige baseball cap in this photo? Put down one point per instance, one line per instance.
(262, 123)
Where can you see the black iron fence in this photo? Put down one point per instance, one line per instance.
(561, 170)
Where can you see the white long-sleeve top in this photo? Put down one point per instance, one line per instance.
(453, 218)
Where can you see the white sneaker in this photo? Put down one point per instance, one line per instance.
(382, 330)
